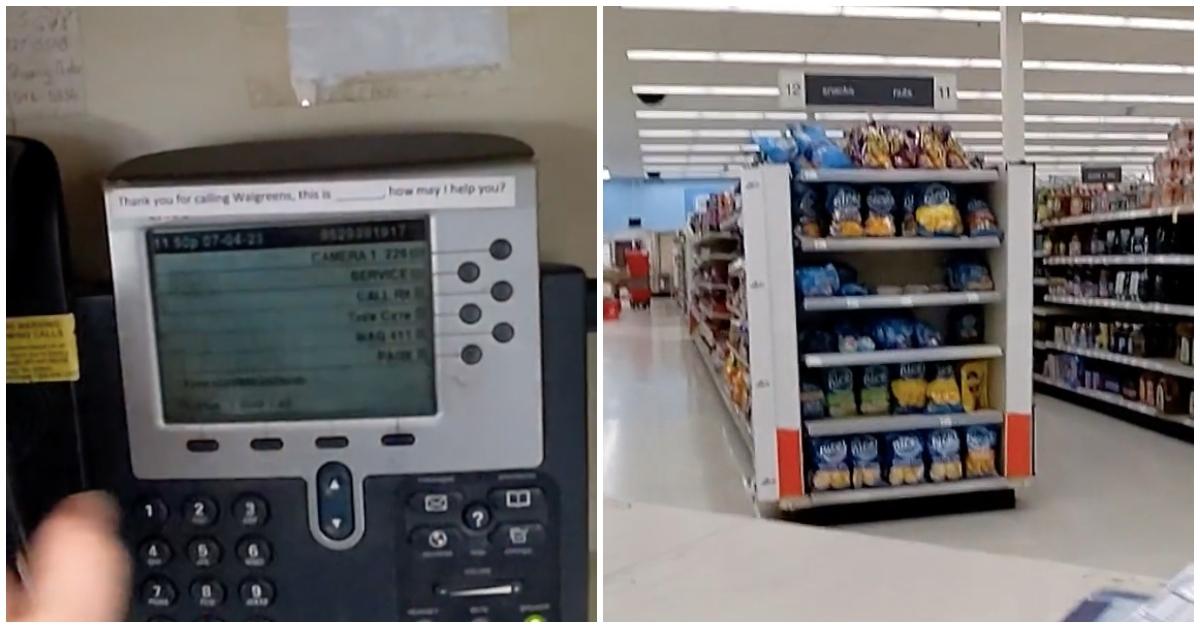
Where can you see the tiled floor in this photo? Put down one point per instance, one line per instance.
(1108, 494)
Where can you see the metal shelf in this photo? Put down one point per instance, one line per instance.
(1161, 365)
(881, 301)
(859, 495)
(889, 423)
(820, 245)
(740, 421)
(1117, 400)
(1119, 260)
(1041, 281)
(1116, 304)
(712, 285)
(1132, 214)
(897, 356)
(898, 175)
(1049, 310)
(1039, 254)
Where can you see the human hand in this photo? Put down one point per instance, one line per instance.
(78, 568)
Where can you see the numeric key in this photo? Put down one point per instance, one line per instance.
(151, 510)
(200, 511)
(154, 552)
(204, 552)
(254, 552)
(158, 592)
(208, 593)
(257, 592)
(250, 511)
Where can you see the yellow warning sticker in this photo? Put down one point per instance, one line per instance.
(42, 349)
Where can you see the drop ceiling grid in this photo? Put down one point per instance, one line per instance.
(686, 30)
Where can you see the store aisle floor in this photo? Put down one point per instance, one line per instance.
(1108, 494)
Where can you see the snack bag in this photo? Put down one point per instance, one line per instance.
(945, 459)
(935, 211)
(819, 150)
(926, 336)
(967, 275)
(942, 391)
(906, 465)
(880, 205)
(843, 205)
(904, 147)
(805, 218)
(981, 451)
(892, 333)
(847, 338)
(907, 211)
(966, 325)
(933, 151)
(974, 385)
(831, 472)
(839, 392)
(980, 219)
(864, 456)
(817, 281)
(908, 387)
(876, 149)
(776, 150)
(812, 401)
(874, 395)
(956, 157)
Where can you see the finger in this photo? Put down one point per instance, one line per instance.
(78, 568)
(15, 600)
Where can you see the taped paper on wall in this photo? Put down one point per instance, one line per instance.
(328, 45)
(45, 62)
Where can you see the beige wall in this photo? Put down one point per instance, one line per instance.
(163, 78)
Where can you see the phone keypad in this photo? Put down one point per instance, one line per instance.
(202, 573)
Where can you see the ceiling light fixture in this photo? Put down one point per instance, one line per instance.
(698, 148)
(695, 159)
(952, 15)
(812, 58)
(1056, 148)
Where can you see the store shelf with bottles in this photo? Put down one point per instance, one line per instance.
(1118, 266)
(805, 285)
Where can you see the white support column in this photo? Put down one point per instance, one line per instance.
(1012, 84)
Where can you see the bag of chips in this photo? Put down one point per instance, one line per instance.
(908, 388)
(981, 451)
(880, 205)
(844, 207)
(905, 460)
(945, 457)
(831, 471)
(974, 385)
(839, 392)
(805, 216)
(980, 219)
(935, 212)
(943, 391)
(873, 394)
(864, 456)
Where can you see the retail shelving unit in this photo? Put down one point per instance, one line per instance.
(1057, 306)
(779, 432)
(710, 327)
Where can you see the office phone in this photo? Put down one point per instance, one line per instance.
(333, 383)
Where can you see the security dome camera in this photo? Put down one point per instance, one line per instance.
(650, 99)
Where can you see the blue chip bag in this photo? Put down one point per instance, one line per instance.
(831, 470)
(945, 455)
(905, 459)
(981, 451)
(776, 150)
(892, 333)
(880, 205)
(864, 456)
(817, 281)
(909, 388)
(874, 397)
(935, 210)
(926, 336)
(816, 148)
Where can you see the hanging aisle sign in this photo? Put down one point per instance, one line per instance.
(1100, 174)
(801, 90)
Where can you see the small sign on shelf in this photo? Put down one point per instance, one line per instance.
(1100, 174)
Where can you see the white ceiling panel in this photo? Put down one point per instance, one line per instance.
(1089, 123)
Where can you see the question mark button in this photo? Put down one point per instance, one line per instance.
(477, 516)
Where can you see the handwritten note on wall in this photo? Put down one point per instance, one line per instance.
(45, 62)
